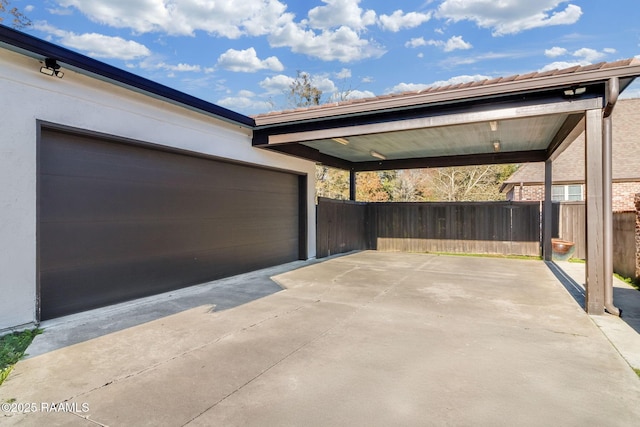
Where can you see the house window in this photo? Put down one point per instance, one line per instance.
(567, 193)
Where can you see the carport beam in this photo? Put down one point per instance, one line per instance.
(594, 298)
(547, 212)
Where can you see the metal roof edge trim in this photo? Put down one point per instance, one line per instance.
(29, 43)
(403, 101)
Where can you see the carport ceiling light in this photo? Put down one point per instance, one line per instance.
(342, 141)
(377, 155)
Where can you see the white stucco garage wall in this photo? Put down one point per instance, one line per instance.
(90, 104)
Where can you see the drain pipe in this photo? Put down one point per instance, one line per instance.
(613, 90)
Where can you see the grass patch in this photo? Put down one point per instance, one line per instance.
(629, 281)
(12, 348)
(637, 371)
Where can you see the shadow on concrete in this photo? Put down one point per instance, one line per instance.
(628, 300)
(220, 295)
(574, 288)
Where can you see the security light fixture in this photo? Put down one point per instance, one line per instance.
(377, 155)
(496, 145)
(51, 68)
(575, 91)
(493, 125)
(342, 141)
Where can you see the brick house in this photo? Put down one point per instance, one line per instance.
(527, 183)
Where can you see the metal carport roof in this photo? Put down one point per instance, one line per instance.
(515, 119)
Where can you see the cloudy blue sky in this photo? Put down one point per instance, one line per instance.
(243, 54)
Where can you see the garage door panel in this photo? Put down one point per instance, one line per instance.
(130, 164)
(91, 286)
(118, 222)
(113, 241)
(76, 198)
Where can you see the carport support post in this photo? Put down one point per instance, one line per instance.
(352, 185)
(547, 212)
(594, 299)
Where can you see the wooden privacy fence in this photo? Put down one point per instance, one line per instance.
(341, 227)
(456, 227)
(481, 227)
(624, 244)
(508, 228)
(569, 223)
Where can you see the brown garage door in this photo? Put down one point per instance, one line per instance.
(119, 221)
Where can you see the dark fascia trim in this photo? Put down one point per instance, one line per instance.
(508, 157)
(308, 153)
(446, 161)
(68, 57)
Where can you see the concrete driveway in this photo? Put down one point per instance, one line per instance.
(369, 339)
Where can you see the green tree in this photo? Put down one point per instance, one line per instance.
(370, 187)
(332, 183)
(18, 19)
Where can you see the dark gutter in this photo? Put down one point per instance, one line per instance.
(447, 161)
(68, 57)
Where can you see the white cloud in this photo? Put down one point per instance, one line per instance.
(318, 37)
(467, 60)
(247, 61)
(461, 79)
(155, 63)
(560, 65)
(29, 8)
(359, 94)
(324, 83)
(97, 45)
(339, 13)
(184, 17)
(586, 55)
(399, 20)
(416, 42)
(276, 84)
(510, 16)
(60, 11)
(181, 67)
(415, 87)
(345, 73)
(249, 104)
(454, 43)
(343, 44)
(589, 55)
(555, 51)
(408, 87)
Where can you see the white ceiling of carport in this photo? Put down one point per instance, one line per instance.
(531, 133)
